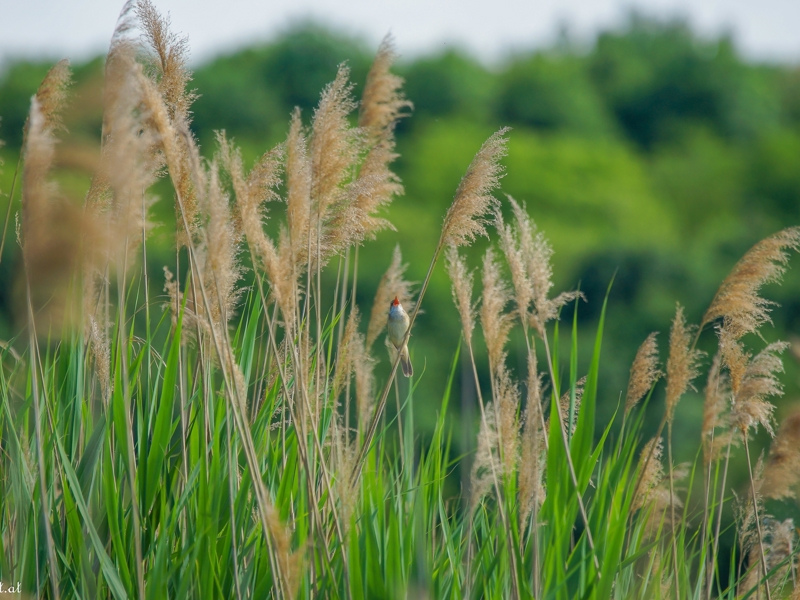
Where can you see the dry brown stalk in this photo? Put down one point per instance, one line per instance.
(532, 456)
(644, 372)
(392, 284)
(682, 362)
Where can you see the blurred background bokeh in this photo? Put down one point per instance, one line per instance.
(652, 154)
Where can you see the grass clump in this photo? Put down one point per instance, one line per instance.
(232, 440)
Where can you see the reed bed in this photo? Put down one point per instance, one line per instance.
(249, 454)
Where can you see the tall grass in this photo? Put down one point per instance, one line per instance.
(232, 441)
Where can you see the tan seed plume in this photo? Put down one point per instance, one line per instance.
(537, 255)
(382, 105)
(782, 471)
(750, 405)
(461, 279)
(495, 322)
(465, 219)
(715, 432)
(644, 372)
(737, 299)
(682, 362)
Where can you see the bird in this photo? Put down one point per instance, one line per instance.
(397, 326)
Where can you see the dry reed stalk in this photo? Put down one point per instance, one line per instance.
(532, 455)
(644, 372)
(523, 288)
(737, 300)
(655, 492)
(45, 256)
(751, 533)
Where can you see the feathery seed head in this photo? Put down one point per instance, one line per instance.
(782, 471)
(496, 323)
(682, 362)
(465, 219)
(644, 372)
(716, 433)
(737, 299)
(461, 278)
(760, 381)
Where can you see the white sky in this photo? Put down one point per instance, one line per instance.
(763, 29)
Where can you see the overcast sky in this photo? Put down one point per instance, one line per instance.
(763, 29)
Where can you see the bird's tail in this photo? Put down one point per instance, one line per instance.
(405, 362)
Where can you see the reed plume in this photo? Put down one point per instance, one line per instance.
(382, 105)
(168, 57)
(782, 471)
(391, 285)
(750, 406)
(506, 405)
(523, 289)
(715, 431)
(461, 279)
(334, 151)
(536, 253)
(737, 300)
(51, 227)
(495, 322)
(466, 218)
(644, 372)
(682, 362)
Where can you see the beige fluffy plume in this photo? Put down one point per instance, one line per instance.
(465, 219)
(782, 471)
(737, 299)
(682, 362)
(644, 372)
(461, 279)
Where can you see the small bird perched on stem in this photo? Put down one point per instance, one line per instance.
(397, 326)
